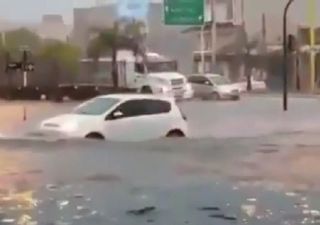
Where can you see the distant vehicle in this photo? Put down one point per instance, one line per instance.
(155, 74)
(167, 84)
(120, 117)
(214, 86)
(258, 86)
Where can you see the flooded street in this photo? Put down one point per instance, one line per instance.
(244, 164)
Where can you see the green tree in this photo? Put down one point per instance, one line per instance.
(21, 38)
(110, 40)
(62, 57)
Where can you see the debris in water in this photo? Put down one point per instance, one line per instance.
(250, 210)
(150, 221)
(103, 178)
(77, 217)
(224, 217)
(219, 216)
(251, 199)
(291, 194)
(94, 212)
(8, 220)
(209, 208)
(78, 196)
(52, 187)
(233, 218)
(62, 204)
(142, 211)
(83, 211)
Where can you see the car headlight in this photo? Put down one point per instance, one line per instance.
(69, 127)
(165, 89)
(188, 87)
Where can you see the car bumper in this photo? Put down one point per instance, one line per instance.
(53, 134)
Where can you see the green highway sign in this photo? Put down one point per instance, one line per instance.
(183, 12)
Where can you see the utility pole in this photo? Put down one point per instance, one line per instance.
(285, 56)
(312, 20)
(213, 35)
(202, 47)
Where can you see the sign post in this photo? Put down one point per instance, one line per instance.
(184, 12)
(187, 12)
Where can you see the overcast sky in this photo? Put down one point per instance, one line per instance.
(32, 10)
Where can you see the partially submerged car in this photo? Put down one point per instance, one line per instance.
(120, 117)
(214, 86)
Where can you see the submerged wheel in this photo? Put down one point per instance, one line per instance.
(175, 134)
(146, 90)
(95, 136)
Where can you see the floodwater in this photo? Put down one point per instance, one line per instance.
(256, 173)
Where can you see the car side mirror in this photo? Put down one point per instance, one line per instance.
(115, 115)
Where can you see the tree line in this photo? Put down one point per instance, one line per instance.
(105, 41)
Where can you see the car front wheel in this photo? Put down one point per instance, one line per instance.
(95, 136)
(175, 134)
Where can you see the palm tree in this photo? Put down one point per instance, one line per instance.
(110, 40)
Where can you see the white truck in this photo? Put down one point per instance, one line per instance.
(155, 75)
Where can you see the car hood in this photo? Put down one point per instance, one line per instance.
(65, 118)
(167, 75)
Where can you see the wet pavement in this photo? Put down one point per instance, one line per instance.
(243, 173)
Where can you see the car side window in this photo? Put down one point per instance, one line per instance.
(198, 80)
(139, 68)
(134, 108)
(156, 107)
(131, 108)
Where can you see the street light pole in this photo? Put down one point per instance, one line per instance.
(285, 57)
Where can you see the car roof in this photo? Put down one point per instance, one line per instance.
(130, 96)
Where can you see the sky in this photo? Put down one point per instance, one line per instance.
(32, 10)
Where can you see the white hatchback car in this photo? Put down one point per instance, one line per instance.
(120, 117)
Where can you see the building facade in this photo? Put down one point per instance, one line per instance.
(165, 40)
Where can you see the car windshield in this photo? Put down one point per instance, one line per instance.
(157, 67)
(219, 80)
(96, 106)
